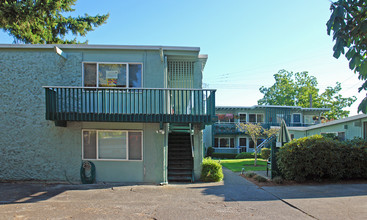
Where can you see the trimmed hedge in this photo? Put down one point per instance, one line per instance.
(265, 153)
(224, 155)
(317, 158)
(357, 142)
(245, 155)
(211, 171)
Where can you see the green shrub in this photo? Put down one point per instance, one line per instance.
(224, 155)
(330, 135)
(357, 142)
(278, 180)
(259, 178)
(209, 151)
(265, 153)
(250, 174)
(246, 155)
(211, 171)
(317, 158)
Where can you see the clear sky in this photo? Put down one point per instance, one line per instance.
(247, 41)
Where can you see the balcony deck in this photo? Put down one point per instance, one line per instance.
(130, 105)
(233, 128)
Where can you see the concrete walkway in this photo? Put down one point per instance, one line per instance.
(333, 201)
(233, 198)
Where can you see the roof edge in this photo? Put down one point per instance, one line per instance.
(335, 122)
(272, 106)
(96, 47)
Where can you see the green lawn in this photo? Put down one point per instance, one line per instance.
(236, 165)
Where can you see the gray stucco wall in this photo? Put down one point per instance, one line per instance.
(149, 170)
(31, 147)
(34, 148)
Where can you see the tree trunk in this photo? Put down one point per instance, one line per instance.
(255, 147)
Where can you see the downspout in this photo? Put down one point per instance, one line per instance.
(192, 154)
(165, 73)
(362, 129)
(166, 125)
(213, 137)
(165, 156)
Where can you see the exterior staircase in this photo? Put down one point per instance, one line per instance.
(266, 142)
(180, 158)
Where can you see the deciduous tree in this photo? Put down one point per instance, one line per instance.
(255, 131)
(270, 132)
(348, 21)
(295, 89)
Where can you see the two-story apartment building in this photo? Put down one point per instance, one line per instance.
(226, 137)
(136, 112)
(343, 129)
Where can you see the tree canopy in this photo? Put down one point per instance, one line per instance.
(42, 22)
(295, 89)
(348, 21)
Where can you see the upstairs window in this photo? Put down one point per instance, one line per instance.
(243, 118)
(252, 118)
(260, 118)
(256, 118)
(113, 75)
(297, 118)
(308, 119)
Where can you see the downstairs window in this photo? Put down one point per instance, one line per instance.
(112, 145)
(224, 142)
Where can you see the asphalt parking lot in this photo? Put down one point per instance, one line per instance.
(233, 198)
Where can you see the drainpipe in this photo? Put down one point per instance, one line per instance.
(165, 156)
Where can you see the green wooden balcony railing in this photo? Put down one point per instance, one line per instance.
(227, 128)
(112, 104)
(233, 128)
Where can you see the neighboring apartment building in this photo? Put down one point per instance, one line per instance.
(225, 136)
(136, 112)
(344, 129)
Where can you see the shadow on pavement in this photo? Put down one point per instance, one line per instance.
(236, 188)
(318, 191)
(233, 188)
(20, 192)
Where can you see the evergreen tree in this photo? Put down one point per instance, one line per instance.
(42, 22)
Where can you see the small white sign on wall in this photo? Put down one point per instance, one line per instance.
(112, 74)
(278, 144)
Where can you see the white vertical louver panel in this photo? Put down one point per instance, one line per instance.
(180, 74)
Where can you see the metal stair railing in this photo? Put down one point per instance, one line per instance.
(267, 141)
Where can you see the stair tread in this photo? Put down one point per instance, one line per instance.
(180, 173)
(180, 161)
(181, 168)
(179, 178)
